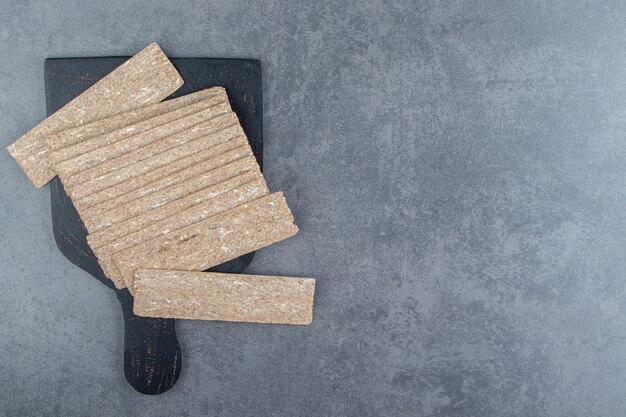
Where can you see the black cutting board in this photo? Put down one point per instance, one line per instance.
(152, 355)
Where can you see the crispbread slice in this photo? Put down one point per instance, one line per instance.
(172, 193)
(221, 201)
(162, 177)
(247, 186)
(138, 164)
(80, 140)
(146, 78)
(143, 145)
(228, 297)
(213, 241)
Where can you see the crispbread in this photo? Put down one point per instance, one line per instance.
(169, 194)
(229, 297)
(146, 78)
(143, 145)
(246, 187)
(138, 163)
(80, 140)
(162, 177)
(221, 202)
(213, 241)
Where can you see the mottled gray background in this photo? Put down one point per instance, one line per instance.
(458, 172)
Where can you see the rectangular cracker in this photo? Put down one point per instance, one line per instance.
(71, 143)
(226, 137)
(121, 153)
(245, 187)
(199, 212)
(163, 177)
(155, 200)
(151, 157)
(213, 241)
(78, 134)
(227, 297)
(146, 78)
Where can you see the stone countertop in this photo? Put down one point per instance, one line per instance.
(458, 174)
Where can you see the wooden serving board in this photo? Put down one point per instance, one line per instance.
(152, 355)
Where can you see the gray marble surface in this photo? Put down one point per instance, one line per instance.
(458, 172)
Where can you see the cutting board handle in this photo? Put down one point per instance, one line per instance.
(152, 357)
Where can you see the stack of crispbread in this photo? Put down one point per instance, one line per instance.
(165, 190)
